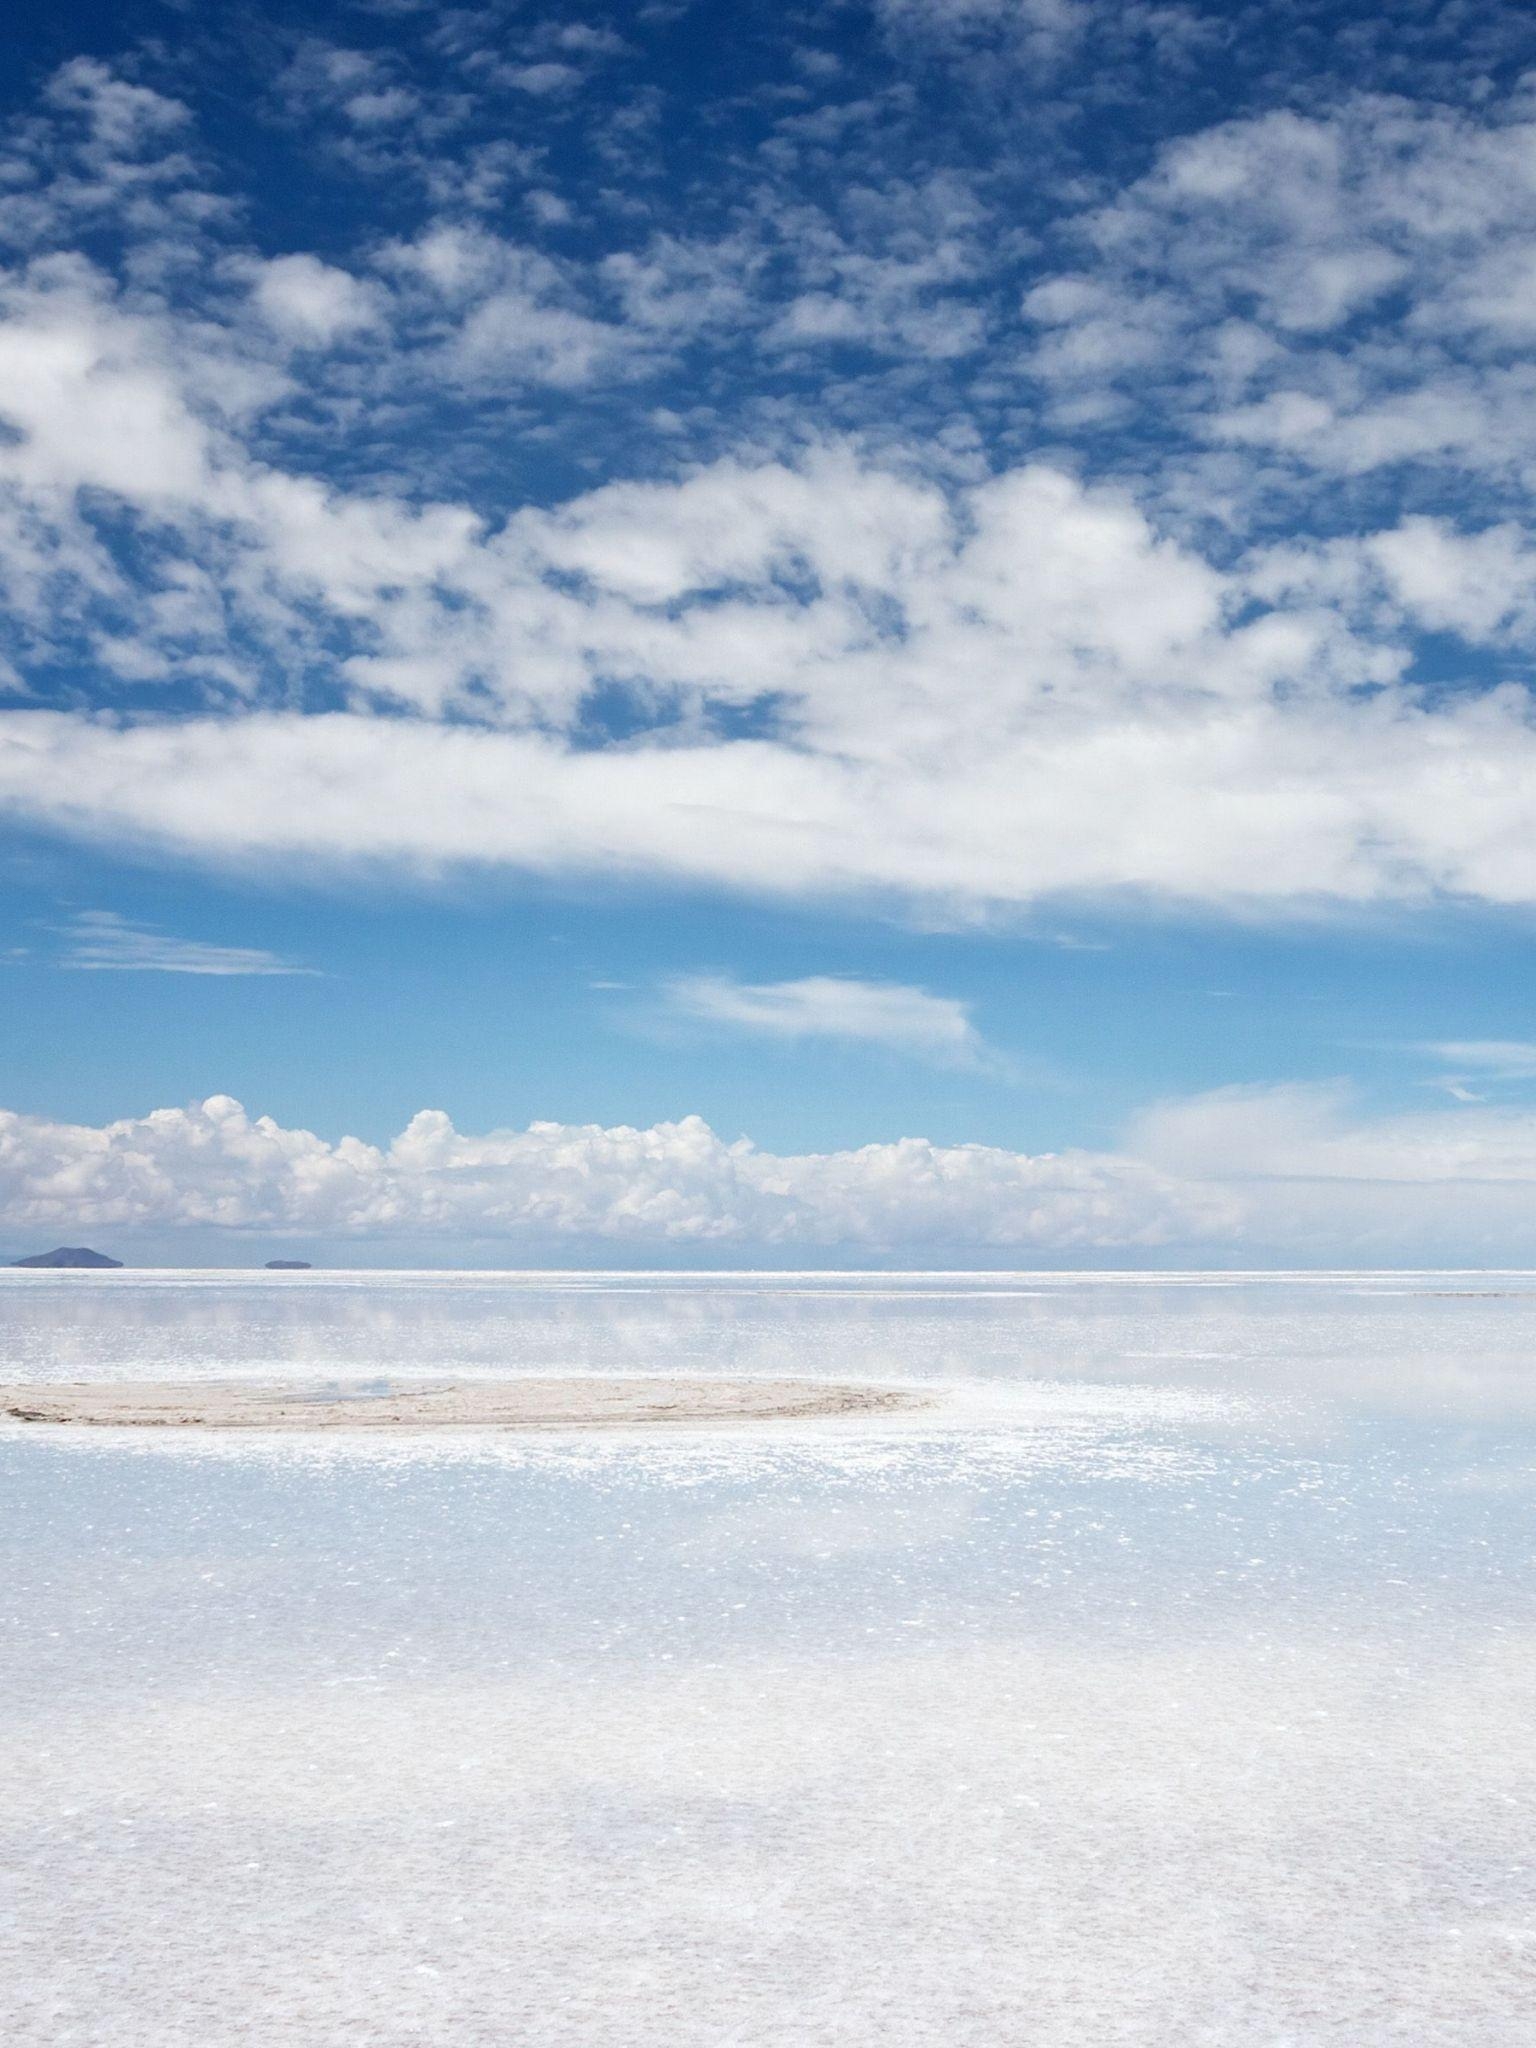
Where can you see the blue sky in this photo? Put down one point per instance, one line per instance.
(947, 571)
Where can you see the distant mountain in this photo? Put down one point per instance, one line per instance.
(69, 1255)
(288, 1266)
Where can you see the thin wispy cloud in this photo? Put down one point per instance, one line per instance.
(1500, 1059)
(101, 941)
(889, 1014)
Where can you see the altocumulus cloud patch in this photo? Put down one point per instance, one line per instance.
(808, 651)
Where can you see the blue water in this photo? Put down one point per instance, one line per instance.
(1170, 1681)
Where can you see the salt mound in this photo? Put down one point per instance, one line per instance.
(566, 1403)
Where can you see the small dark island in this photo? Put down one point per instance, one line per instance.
(288, 1266)
(70, 1255)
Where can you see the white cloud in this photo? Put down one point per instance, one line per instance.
(101, 940)
(517, 316)
(1055, 709)
(1423, 573)
(122, 117)
(1317, 1179)
(313, 302)
(988, 693)
(1257, 1176)
(673, 1186)
(1502, 1059)
(523, 332)
(1348, 291)
(1044, 29)
(1238, 803)
(91, 399)
(680, 288)
(978, 691)
(369, 109)
(903, 1019)
(1481, 586)
(543, 79)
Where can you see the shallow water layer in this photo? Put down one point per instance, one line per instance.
(1171, 1684)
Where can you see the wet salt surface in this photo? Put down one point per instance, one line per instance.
(1173, 1685)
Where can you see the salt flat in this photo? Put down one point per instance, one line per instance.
(1168, 1678)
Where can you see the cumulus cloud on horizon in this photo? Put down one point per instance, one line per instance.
(1260, 1176)
(673, 1185)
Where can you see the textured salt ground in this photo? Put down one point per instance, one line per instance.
(1168, 1682)
(525, 1403)
(302, 1756)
